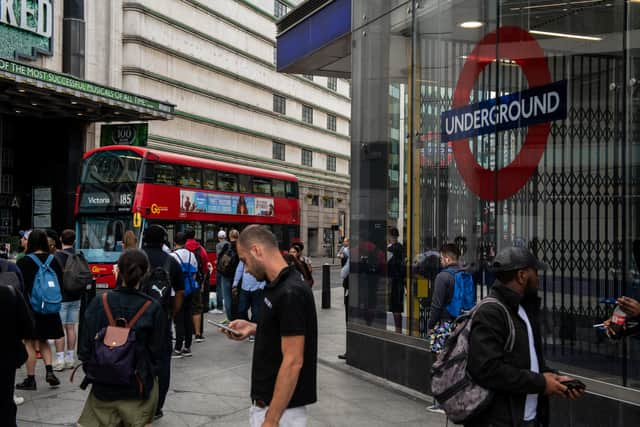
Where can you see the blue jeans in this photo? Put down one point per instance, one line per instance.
(251, 300)
(226, 295)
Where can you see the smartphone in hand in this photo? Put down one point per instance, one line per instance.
(225, 328)
(574, 385)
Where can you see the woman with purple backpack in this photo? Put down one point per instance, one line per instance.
(119, 348)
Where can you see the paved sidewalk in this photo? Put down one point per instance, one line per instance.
(212, 388)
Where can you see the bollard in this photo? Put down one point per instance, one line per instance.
(326, 286)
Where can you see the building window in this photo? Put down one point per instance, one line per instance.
(279, 104)
(279, 9)
(307, 157)
(7, 157)
(7, 184)
(328, 202)
(332, 83)
(331, 163)
(307, 114)
(278, 150)
(331, 122)
(308, 76)
(314, 200)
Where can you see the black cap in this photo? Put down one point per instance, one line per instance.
(512, 259)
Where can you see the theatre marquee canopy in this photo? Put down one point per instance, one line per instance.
(36, 92)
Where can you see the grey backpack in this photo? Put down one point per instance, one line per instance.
(452, 386)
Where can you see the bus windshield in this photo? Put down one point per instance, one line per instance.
(111, 167)
(100, 237)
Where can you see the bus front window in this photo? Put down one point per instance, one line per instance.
(101, 237)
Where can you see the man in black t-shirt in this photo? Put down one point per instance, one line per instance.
(153, 239)
(283, 377)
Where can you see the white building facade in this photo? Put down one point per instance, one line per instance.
(215, 60)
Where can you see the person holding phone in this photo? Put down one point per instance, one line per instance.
(284, 368)
(521, 380)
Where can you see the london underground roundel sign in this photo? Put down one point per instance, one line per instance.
(534, 108)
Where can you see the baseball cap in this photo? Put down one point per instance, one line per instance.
(513, 258)
(24, 234)
(222, 234)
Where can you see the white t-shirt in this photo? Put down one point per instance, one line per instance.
(184, 255)
(531, 405)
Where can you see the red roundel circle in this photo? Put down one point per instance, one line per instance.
(518, 45)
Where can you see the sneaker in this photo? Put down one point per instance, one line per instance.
(436, 409)
(216, 311)
(342, 356)
(58, 365)
(186, 352)
(69, 363)
(158, 415)
(199, 338)
(27, 384)
(52, 379)
(18, 400)
(177, 354)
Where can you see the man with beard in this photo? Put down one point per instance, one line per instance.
(283, 375)
(520, 379)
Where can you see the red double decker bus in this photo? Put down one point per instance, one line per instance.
(129, 188)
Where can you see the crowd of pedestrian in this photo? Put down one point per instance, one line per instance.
(127, 339)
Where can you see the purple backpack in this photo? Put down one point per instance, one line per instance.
(113, 360)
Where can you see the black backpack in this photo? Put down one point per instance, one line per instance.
(200, 276)
(77, 274)
(9, 278)
(228, 262)
(158, 284)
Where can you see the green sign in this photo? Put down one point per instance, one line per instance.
(129, 134)
(26, 28)
(82, 85)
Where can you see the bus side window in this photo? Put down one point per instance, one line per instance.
(148, 171)
(189, 177)
(261, 186)
(278, 188)
(292, 189)
(227, 182)
(209, 181)
(164, 174)
(244, 181)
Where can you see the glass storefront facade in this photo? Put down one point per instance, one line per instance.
(490, 124)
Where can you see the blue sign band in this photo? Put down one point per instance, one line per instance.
(516, 110)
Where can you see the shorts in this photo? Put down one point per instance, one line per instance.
(70, 312)
(196, 302)
(134, 413)
(293, 417)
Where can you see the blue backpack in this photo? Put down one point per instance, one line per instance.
(188, 272)
(464, 292)
(46, 297)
